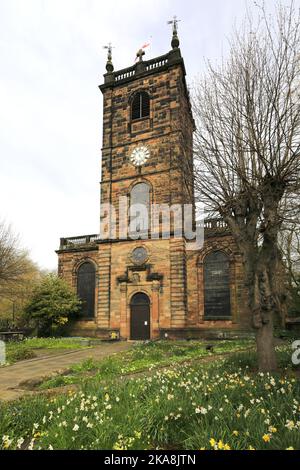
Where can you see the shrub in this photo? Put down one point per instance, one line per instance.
(51, 306)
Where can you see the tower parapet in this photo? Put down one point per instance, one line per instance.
(143, 68)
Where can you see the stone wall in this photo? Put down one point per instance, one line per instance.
(195, 275)
(69, 262)
(152, 278)
(172, 277)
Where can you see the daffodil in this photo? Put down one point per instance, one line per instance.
(212, 442)
(272, 429)
(220, 445)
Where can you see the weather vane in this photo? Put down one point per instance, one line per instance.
(174, 22)
(175, 40)
(109, 48)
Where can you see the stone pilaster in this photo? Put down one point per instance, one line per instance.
(155, 309)
(124, 321)
(104, 292)
(178, 283)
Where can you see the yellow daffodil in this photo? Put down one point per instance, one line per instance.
(220, 445)
(272, 429)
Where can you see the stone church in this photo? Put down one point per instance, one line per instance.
(155, 287)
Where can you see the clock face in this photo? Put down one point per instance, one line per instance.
(140, 155)
(139, 255)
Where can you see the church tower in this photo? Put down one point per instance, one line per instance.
(146, 159)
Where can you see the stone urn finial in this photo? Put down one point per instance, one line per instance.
(109, 64)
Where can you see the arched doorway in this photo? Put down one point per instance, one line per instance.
(86, 282)
(140, 317)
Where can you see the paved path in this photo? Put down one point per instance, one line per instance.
(34, 369)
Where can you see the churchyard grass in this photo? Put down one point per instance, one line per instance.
(21, 350)
(219, 405)
(144, 357)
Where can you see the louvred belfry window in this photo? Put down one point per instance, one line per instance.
(140, 107)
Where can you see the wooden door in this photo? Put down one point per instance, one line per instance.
(140, 317)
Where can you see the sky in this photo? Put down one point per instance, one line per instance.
(51, 63)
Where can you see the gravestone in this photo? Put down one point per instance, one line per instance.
(2, 353)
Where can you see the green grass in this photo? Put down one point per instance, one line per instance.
(187, 406)
(249, 360)
(18, 351)
(143, 357)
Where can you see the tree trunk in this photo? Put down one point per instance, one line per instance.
(266, 355)
(262, 304)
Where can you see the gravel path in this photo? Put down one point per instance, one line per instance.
(12, 377)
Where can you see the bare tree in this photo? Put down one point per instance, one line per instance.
(247, 152)
(14, 262)
(289, 241)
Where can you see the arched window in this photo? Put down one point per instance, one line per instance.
(86, 282)
(139, 210)
(216, 285)
(140, 107)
